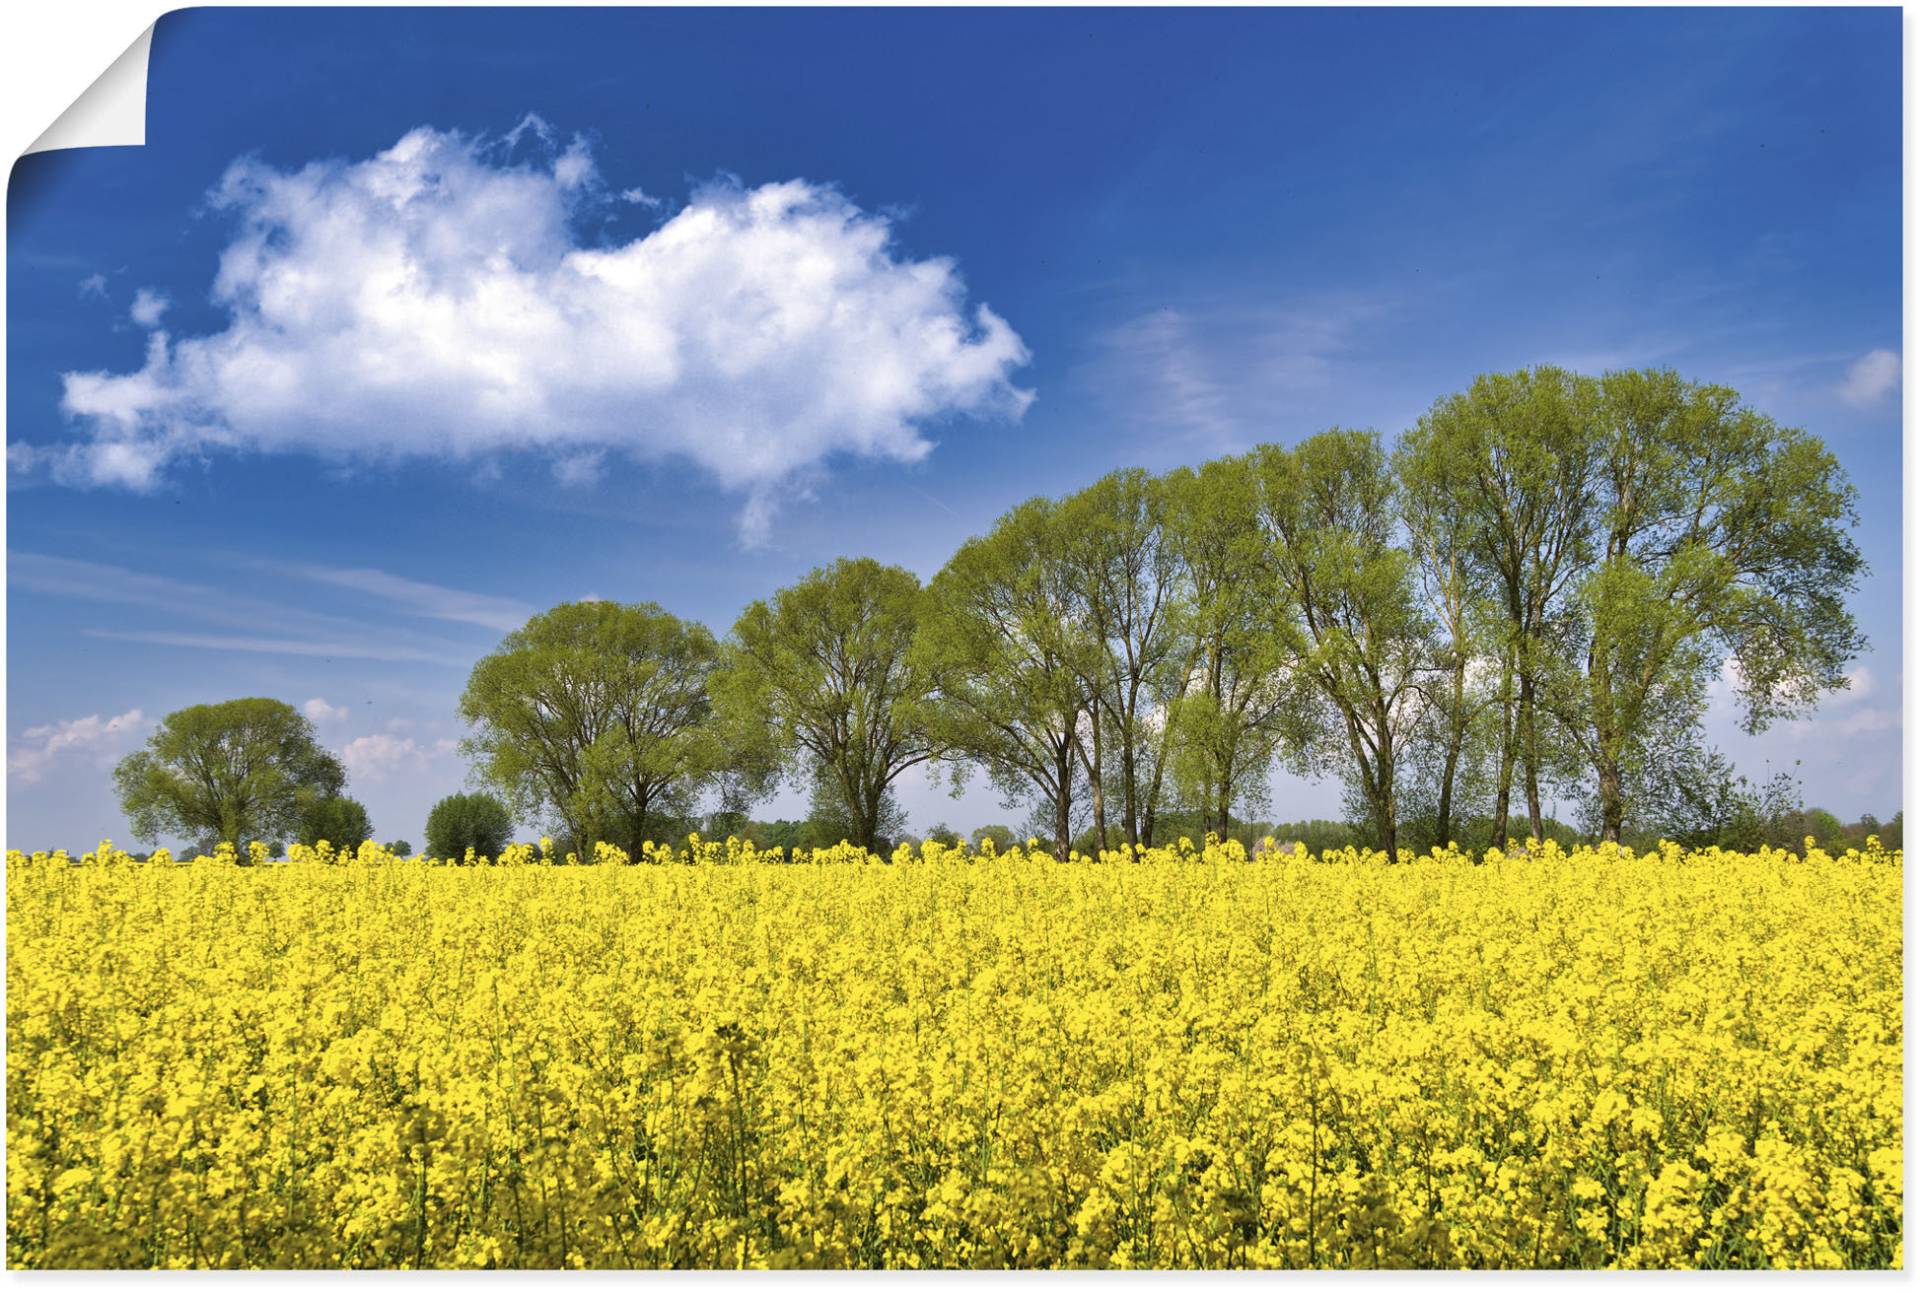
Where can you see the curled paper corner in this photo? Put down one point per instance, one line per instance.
(112, 112)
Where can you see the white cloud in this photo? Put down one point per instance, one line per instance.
(367, 648)
(34, 749)
(1871, 378)
(1223, 376)
(579, 470)
(434, 300)
(148, 306)
(382, 755)
(319, 711)
(298, 631)
(94, 286)
(431, 601)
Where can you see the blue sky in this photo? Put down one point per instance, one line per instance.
(1054, 243)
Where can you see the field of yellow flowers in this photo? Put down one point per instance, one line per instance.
(1186, 1059)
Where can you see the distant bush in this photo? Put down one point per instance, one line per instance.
(340, 821)
(476, 821)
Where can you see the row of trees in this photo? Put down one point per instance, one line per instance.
(1528, 596)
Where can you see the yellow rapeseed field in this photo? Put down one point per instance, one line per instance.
(1188, 1059)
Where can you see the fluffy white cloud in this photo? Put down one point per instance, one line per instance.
(34, 749)
(319, 711)
(382, 754)
(1871, 378)
(437, 299)
(148, 306)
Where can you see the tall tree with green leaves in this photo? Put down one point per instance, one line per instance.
(597, 714)
(1126, 588)
(1330, 510)
(1001, 634)
(1720, 535)
(1515, 457)
(826, 669)
(231, 772)
(1463, 684)
(1235, 705)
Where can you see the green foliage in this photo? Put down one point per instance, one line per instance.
(824, 675)
(400, 848)
(1354, 628)
(1236, 704)
(476, 821)
(1002, 837)
(1126, 613)
(234, 771)
(1000, 632)
(340, 821)
(597, 714)
(1535, 591)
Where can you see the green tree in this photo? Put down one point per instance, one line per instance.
(1001, 836)
(1126, 587)
(1720, 534)
(340, 821)
(827, 669)
(830, 821)
(1330, 508)
(1448, 763)
(235, 771)
(1000, 634)
(597, 713)
(1235, 704)
(1514, 458)
(400, 848)
(477, 821)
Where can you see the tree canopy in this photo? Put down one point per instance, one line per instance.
(232, 772)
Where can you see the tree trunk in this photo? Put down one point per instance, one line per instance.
(1063, 801)
(1383, 770)
(1456, 742)
(1097, 776)
(1530, 755)
(1613, 806)
(1503, 793)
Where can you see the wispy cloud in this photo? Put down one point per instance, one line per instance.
(30, 753)
(1871, 379)
(429, 601)
(287, 630)
(371, 647)
(1223, 376)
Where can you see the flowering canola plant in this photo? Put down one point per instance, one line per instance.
(1183, 1057)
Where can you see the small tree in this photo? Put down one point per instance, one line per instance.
(235, 771)
(399, 848)
(1002, 837)
(340, 821)
(476, 821)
